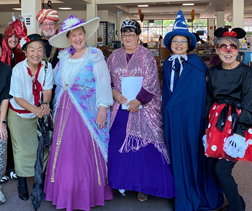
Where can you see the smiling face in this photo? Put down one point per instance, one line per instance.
(49, 28)
(34, 52)
(179, 45)
(77, 38)
(130, 40)
(227, 52)
(13, 41)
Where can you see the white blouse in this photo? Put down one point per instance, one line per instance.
(101, 75)
(21, 85)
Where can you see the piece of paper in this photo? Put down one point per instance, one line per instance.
(131, 86)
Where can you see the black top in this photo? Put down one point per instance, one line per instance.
(55, 59)
(233, 85)
(5, 77)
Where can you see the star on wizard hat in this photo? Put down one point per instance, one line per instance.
(180, 28)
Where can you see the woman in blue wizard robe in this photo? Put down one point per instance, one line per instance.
(183, 105)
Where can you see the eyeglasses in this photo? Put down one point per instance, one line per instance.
(46, 24)
(128, 35)
(182, 42)
(228, 47)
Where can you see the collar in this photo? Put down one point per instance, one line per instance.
(173, 59)
(26, 64)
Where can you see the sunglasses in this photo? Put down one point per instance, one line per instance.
(227, 47)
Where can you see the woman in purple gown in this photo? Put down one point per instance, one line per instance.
(137, 156)
(76, 175)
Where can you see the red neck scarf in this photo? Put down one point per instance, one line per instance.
(36, 86)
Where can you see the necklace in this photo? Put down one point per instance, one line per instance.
(52, 53)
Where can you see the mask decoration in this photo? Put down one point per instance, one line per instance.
(226, 47)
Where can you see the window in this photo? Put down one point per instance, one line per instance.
(151, 30)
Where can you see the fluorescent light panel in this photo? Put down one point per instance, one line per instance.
(188, 4)
(144, 5)
(64, 8)
(16, 8)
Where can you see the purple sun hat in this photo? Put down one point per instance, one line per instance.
(60, 40)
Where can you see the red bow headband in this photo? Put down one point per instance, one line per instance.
(229, 34)
(235, 32)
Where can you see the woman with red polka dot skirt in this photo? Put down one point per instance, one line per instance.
(228, 115)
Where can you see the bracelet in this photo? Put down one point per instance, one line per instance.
(46, 104)
(113, 88)
(3, 121)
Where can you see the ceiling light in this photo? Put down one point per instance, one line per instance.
(188, 4)
(144, 5)
(64, 8)
(16, 8)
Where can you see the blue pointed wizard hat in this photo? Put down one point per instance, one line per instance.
(180, 28)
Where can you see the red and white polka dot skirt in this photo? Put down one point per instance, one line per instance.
(216, 138)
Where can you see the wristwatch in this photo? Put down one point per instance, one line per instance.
(3, 121)
(46, 104)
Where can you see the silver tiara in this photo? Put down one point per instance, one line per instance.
(128, 23)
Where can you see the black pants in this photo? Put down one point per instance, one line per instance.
(221, 171)
(10, 160)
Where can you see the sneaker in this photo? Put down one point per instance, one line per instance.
(2, 198)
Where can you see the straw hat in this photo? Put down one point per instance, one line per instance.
(60, 40)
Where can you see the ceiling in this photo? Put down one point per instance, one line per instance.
(158, 9)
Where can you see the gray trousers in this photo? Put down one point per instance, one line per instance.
(2, 157)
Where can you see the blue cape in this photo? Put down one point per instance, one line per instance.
(183, 113)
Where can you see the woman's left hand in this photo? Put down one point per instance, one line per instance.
(101, 117)
(3, 132)
(45, 109)
(134, 105)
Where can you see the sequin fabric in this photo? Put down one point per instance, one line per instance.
(145, 126)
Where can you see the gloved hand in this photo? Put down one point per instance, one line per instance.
(204, 141)
(235, 146)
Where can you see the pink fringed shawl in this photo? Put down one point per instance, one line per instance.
(145, 126)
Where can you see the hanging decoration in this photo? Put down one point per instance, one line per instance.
(193, 15)
(49, 4)
(141, 15)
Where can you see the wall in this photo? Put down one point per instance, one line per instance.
(66, 14)
(5, 18)
(103, 15)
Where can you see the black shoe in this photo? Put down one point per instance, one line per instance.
(243, 204)
(226, 208)
(22, 189)
(24, 197)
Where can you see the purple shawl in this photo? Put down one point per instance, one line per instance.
(145, 126)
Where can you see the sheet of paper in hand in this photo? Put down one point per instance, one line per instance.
(131, 86)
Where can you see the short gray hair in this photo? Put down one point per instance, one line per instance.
(218, 40)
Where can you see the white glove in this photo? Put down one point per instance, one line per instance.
(204, 141)
(235, 146)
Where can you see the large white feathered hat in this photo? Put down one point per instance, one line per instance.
(60, 40)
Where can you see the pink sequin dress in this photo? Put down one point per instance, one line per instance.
(137, 155)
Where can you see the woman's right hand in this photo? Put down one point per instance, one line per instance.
(119, 97)
(3, 132)
(38, 112)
